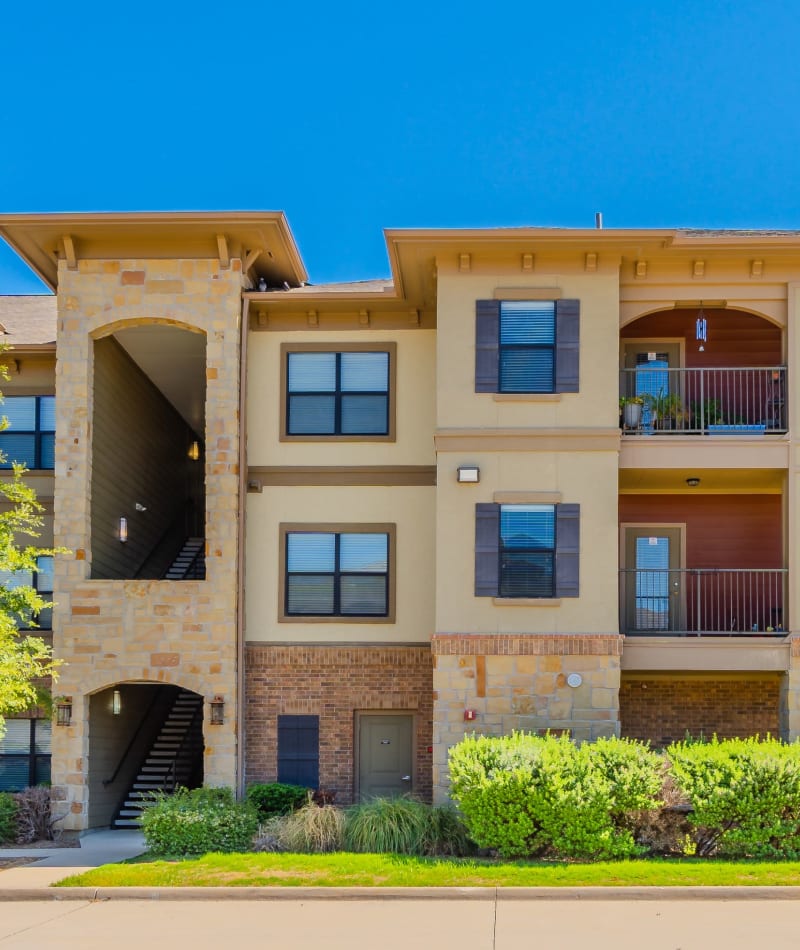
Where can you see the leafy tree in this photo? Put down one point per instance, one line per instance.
(25, 659)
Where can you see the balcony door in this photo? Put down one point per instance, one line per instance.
(652, 590)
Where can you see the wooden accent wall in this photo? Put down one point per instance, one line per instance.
(733, 531)
(734, 338)
(139, 454)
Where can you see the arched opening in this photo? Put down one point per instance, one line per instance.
(702, 371)
(143, 737)
(148, 486)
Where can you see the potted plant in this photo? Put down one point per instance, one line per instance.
(667, 410)
(631, 411)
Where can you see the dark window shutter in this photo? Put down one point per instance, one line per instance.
(568, 543)
(298, 750)
(487, 346)
(487, 550)
(567, 345)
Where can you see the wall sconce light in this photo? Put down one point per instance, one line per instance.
(194, 451)
(116, 702)
(217, 711)
(470, 715)
(574, 680)
(469, 473)
(123, 530)
(64, 711)
(693, 481)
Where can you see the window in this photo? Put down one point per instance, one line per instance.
(339, 393)
(298, 750)
(40, 580)
(527, 551)
(337, 572)
(25, 754)
(527, 346)
(30, 436)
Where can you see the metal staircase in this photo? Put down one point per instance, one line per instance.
(190, 564)
(171, 761)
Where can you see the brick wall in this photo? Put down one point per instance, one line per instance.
(333, 683)
(663, 709)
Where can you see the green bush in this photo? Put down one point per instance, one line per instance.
(198, 821)
(388, 825)
(446, 834)
(276, 798)
(525, 795)
(745, 795)
(8, 818)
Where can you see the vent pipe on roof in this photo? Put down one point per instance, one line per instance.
(598, 219)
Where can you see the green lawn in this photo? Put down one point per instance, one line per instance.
(379, 870)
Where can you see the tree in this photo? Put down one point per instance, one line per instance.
(25, 659)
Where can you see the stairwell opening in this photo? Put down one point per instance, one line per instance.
(148, 429)
(143, 737)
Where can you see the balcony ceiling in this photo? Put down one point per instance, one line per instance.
(733, 481)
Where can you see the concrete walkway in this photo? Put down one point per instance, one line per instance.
(53, 864)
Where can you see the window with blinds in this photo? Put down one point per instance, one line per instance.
(30, 437)
(337, 393)
(527, 550)
(25, 754)
(336, 574)
(40, 580)
(527, 346)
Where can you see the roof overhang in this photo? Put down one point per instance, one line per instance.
(261, 239)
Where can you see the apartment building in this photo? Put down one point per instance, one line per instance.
(539, 479)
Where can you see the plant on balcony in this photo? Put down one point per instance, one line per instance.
(667, 410)
(630, 409)
(706, 413)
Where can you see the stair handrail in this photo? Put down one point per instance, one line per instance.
(173, 765)
(178, 527)
(192, 564)
(134, 737)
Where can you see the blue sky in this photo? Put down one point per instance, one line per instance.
(353, 117)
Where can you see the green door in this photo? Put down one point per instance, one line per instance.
(653, 596)
(384, 755)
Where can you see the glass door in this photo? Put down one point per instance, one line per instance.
(653, 589)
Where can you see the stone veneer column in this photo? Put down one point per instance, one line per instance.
(111, 631)
(519, 682)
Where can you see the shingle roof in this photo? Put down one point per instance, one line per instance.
(28, 320)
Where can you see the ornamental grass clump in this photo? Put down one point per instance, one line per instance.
(389, 825)
(198, 821)
(744, 793)
(524, 795)
(312, 829)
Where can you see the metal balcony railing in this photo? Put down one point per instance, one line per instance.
(724, 401)
(703, 601)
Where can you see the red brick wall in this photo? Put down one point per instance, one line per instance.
(333, 683)
(663, 709)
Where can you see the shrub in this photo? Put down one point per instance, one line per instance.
(312, 829)
(198, 821)
(446, 834)
(276, 798)
(34, 815)
(389, 825)
(8, 818)
(745, 795)
(524, 795)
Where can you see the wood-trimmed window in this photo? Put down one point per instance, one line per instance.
(344, 393)
(342, 573)
(527, 346)
(527, 551)
(25, 754)
(30, 437)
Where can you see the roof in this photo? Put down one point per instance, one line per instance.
(28, 320)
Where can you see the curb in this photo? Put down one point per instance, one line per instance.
(744, 893)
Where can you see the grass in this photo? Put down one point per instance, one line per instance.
(380, 870)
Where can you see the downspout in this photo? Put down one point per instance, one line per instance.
(240, 542)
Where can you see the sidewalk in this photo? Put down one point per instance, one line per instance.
(53, 864)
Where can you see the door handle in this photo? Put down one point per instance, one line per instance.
(406, 778)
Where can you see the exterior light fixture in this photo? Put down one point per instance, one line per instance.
(217, 711)
(469, 473)
(693, 481)
(116, 702)
(194, 451)
(123, 530)
(64, 711)
(574, 680)
(701, 330)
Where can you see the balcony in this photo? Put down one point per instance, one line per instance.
(703, 602)
(743, 401)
